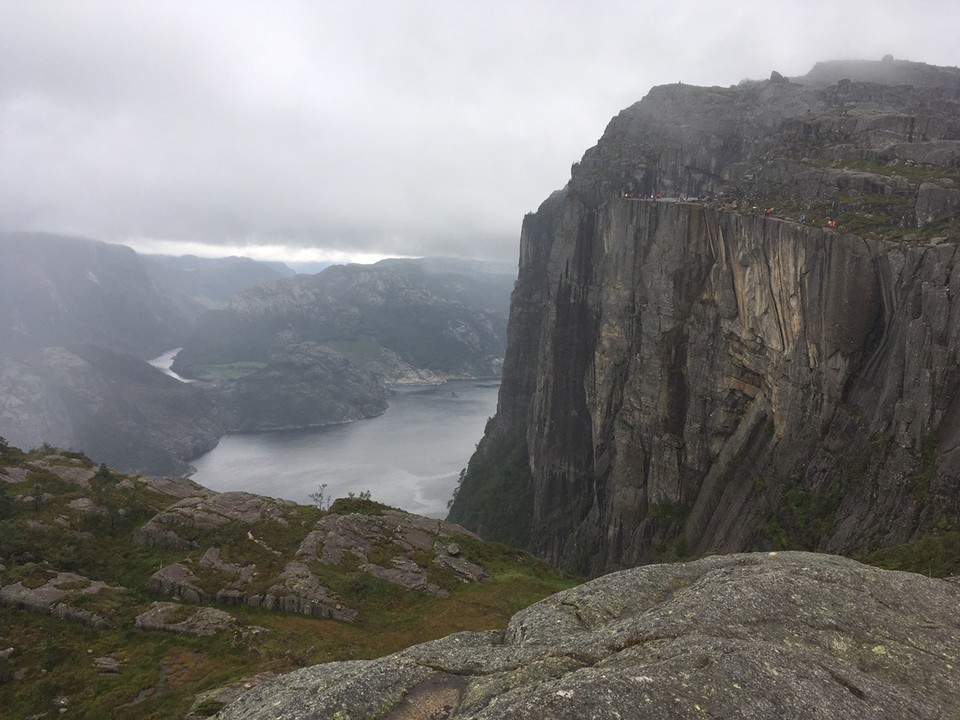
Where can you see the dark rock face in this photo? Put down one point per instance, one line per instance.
(696, 375)
(790, 635)
(307, 386)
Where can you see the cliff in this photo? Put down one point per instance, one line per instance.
(746, 636)
(694, 373)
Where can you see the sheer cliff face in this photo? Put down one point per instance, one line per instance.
(693, 377)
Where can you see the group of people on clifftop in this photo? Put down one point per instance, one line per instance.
(734, 204)
(630, 195)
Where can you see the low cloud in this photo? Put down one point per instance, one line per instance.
(363, 128)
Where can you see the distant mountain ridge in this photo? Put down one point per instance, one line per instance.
(398, 319)
(79, 318)
(56, 290)
(209, 283)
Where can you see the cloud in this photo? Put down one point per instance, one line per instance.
(392, 127)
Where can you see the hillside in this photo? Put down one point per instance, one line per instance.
(736, 328)
(401, 320)
(79, 319)
(57, 290)
(138, 597)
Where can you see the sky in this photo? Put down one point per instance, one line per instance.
(353, 130)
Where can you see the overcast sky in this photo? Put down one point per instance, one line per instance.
(349, 129)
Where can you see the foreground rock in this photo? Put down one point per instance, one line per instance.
(758, 636)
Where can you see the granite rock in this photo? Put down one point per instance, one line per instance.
(786, 636)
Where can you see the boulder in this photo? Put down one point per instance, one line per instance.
(209, 511)
(202, 622)
(52, 597)
(177, 581)
(361, 536)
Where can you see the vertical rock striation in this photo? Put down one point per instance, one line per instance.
(691, 374)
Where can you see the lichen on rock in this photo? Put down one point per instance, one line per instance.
(760, 636)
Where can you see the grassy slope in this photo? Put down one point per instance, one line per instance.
(161, 673)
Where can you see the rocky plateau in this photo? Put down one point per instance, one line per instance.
(758, 636)
(737, 328)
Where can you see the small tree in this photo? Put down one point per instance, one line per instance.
(319, 497)
(6, 502)
(37, 496)
(456, 490)
(4, 445)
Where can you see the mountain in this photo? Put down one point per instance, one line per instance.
(764, 355)
(79, 318)
(113, 405)
(401, 320)
(56, 290)
(209, 283)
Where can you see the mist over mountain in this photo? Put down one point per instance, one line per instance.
(56, 290)
(208, 283)
(401, 320)
(80, 318)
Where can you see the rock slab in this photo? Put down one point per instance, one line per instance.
(786, 636)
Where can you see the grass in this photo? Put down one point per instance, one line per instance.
(364, 350)
(936, 555)
(871, 215)
(161, 673)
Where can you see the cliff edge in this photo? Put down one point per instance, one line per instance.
(736, 328)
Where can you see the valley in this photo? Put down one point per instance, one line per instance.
(715, 472)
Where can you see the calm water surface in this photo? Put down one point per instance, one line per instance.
(409, 457)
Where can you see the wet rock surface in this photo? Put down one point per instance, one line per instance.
(757, 636)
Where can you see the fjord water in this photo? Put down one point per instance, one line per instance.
(409, 457)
